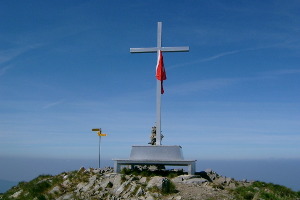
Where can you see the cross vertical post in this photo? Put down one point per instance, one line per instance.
(158, 88)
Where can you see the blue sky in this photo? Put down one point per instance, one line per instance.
(65, 68)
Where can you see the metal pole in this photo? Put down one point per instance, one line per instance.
(99, 150)
(158, 89)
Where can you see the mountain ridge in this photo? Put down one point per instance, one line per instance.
(145, 183)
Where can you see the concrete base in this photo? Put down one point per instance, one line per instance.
(156, 155)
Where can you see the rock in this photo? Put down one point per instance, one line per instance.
(155, 195)
(56, 189)
(177, 198)
(88, 169)
(125, 196)
(133, 186)
(122, 188)
(96, 171)
(143, 180)
(156, 181)
(82, 187)
(92, 184)
(92, 179)
(231, 185)
(66, 183)
(195, 181)
(16, 194)
(67, 196)
(228, 179)
(116, 180)
(149, 197)
(139, 192)
(79, 187)
(183, 178)
(211, 174)
(220, 180)
(82, 169)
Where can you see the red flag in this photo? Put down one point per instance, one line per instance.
(160, 71)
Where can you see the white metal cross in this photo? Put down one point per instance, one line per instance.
(158, 89)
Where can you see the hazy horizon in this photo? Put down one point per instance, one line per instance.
(278, 171)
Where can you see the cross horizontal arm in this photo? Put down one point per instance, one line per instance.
(143, 50)
(174, 49)
(154, 49)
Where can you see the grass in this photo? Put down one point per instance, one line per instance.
(135, 190)
(110, 184)
(34, 189)
(168, 187)
(266, 191)
(123, 178)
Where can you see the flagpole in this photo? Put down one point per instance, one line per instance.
(99, 150)
(158, 89)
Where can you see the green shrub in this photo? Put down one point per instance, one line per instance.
(266, 191)
(126, 171)
(135, 190)
(123, 178)
(148, 173)
(110, 184)
(168, 187)
(39, 187)
(154, 189)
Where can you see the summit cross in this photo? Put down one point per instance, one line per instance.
(158, 88)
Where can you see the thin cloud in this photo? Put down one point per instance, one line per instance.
(220, 55)
(206, 59)
(201, 85)
(214, 84)
(4, 69)
(9, 54)
(227, 53)
(52, 104)
(283, 72)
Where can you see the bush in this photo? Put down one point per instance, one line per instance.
(149, 173)
(168, 187)
(266, 191)
(110, 184)
(39, 187)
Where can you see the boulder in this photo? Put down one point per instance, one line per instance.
(123, 187)
(140, 192)
(182, 178)
(16, 194)
(67, 196)
(66, 183)
(54, 190)
(156, 181)
(82, 169)
(195, 181)
(143, 180)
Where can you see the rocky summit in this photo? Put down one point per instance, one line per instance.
(145, 184)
